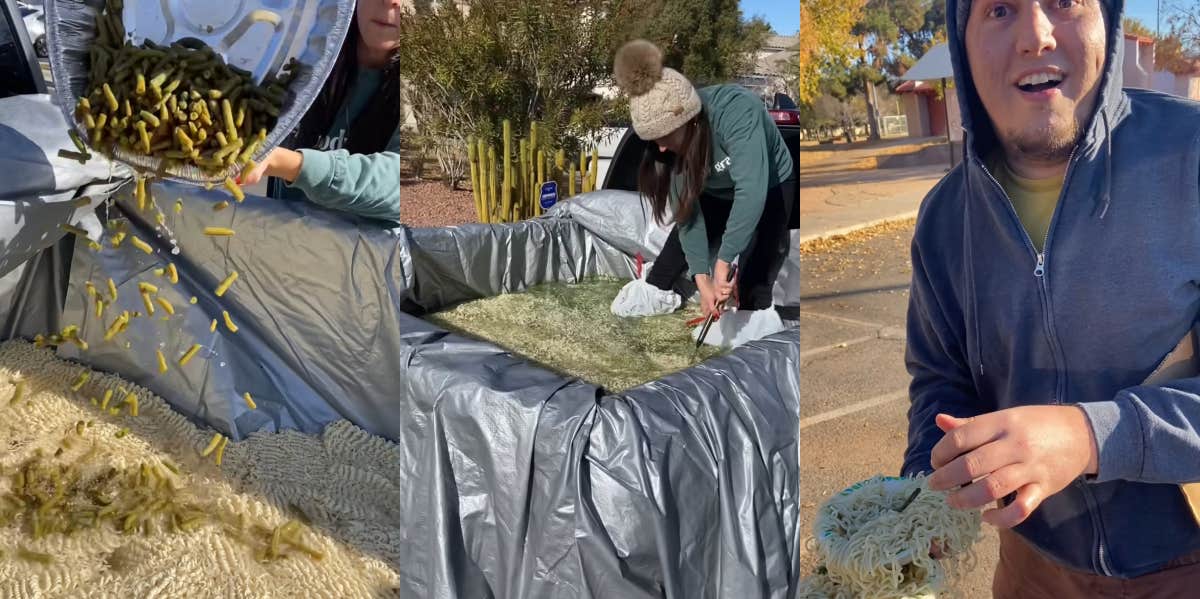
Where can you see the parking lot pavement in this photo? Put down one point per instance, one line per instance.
(853, 384)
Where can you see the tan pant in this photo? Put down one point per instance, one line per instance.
(1024, 573)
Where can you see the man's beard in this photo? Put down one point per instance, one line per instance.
(1051, 143)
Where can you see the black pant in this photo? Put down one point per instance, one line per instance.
(761, 260)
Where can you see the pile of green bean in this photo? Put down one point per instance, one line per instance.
(51, 495)
(179, 103)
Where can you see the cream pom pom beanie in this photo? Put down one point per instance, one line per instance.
(661, 99)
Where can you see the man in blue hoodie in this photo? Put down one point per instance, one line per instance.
(1052, 271)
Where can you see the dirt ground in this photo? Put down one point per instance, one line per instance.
(432, 204)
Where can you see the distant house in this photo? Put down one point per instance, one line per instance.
(925, 113)
(1139, 71)
(768, 73)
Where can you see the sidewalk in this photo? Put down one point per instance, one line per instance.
(835, 202)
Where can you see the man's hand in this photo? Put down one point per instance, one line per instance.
(721, 282)
(1035, 451)
(280, 162)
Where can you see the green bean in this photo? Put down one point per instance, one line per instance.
(33, 556)
(82, 158)
(78, 142)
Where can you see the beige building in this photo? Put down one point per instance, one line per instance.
(926, 115)
(1139, 71)
(768, 75)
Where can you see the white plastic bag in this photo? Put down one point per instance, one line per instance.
(639, 298)
(736, 327)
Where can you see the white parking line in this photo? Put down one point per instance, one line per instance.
(865, 404)
(816, 351)
(844, 320)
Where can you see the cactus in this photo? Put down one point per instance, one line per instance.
(533, 154)
(507, 159)
(481, 154)
(583, 172)
(476, 187)
(526, 180)
(541, 166)
(595, 168)
(512, 192)
(492, 179)
(560, 162)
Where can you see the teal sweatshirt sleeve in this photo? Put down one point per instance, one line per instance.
(363, 184)
(741, 127)
(693, 236)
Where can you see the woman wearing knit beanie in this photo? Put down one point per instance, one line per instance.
(716, 158)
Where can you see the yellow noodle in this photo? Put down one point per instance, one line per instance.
(868, 548)
(187, 356)
(224, 286)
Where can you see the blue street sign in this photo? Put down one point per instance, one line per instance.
(549, 194)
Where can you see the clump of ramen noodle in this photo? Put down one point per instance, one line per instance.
(181, 104)
(870, 547)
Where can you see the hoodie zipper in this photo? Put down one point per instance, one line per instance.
(1039, 272)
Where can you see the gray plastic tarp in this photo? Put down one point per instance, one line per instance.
(316, 304)
(35, 199)
(527, 485)
(546, 487)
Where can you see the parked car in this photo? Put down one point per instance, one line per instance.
(784, 111)
(34, 17)
(20, 71)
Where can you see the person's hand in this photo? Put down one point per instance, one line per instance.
(280, 162)
(723, 285)
(1035, 451)
(708, 294)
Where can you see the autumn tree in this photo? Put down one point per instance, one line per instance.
(1136, 27)
(1178, 51)
(892, 34)
(826, 42)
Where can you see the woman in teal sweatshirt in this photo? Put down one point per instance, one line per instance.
(345, 153)
(718, 160)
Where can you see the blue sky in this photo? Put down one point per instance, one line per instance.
(783, 15)
(1144, 11)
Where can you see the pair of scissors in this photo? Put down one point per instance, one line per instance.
(708, 320)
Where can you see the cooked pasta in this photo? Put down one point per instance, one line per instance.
(870, 548)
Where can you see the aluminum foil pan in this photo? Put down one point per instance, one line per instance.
(259, 36)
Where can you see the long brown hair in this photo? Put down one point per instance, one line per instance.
(658, 168)
(374, 127)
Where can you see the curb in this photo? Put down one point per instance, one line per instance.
(857, 227)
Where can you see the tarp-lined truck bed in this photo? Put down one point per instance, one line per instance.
(515, 482)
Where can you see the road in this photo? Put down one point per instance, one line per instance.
(853, 383)
(837, 195)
